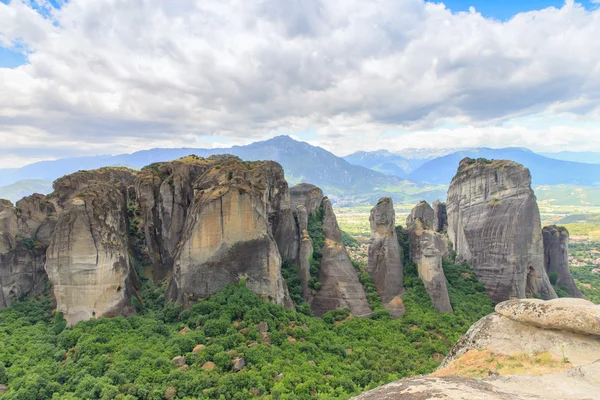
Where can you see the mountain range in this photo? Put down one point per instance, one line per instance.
(358, 178)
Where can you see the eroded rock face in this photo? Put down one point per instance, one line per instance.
(165, 193)
(88, 258)
(575, 384)
(308, 195)
(385, 260)
(341, 287)
(556, 257)
(427, 249)
(24, 235)
(305, 253)
(494, 225)
(227, 236)
(575, 315)
(440, 216)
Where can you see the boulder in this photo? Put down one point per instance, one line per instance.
(238, 364)
(385, 259)
(556, 258)
(308, 195)
(574, 315)
(179, 360)
(227, 236)
(427, 249)
(340, 286)
(575, 384)
(494, 225)
(198, 349)
(88, 259)
(209, 366)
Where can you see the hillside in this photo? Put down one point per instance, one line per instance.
(20, 189)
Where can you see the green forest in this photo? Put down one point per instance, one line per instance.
(299, 357)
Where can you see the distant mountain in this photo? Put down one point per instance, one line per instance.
(20, 189)
(588, 157)
(544, 170)
(301, 162)
(384, 162)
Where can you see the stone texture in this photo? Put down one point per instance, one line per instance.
(165, 193)
(227, 236)
(385, 260)
(427, 249)
(341, 287)
(88, 258)
(22, 253)
(305, 252)
(440, 216)
(580, 383)
(574, 315)
(198, 349)
(238, 364)
(308, 195)
(556, 257)
(494, 225)
(209, 366)
(179, 360)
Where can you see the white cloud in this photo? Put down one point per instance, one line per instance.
(116, 76)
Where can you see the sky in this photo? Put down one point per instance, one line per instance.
(84, 77)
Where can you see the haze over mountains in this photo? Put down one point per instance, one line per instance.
(358, 178)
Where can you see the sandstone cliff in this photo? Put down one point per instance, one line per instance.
(305, 253)
(88, 259)
(556, 257)
(494, 225)
(308, 195)
(427, 249)
(341, 287)
(440, 216)
(227, 236)
(385, 258)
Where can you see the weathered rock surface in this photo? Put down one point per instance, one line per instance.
(556, 257)
(88, 257)
(440, 216)
(580, 383)
(494, 225)
(341, 287)
(575, 315)
(562, 327)
(308, 195)
(305, 253)
(427, 249)
(227, 236)
(385, 260)
(24, 235)
(165, 193)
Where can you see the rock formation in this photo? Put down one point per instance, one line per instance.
(88, 259)
(308, 195)
(556, 258)
(165, 193)
(305, 252)
(440, 216)
(427, 248)
(575, 384)
(227, 236)
(494, 225)
(385, 259)
(341, 287)
(25, 231)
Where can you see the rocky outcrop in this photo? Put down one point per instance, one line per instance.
(385, 259)
(562, 327)
(556, 258)
(25, 231)
(427, 249)
(165, 193)
(308, 195)
(575, 315)
(227, 236)
(88, 259)
(440, 216)
(305, 253)
(341, 287)
(574, 384)
(494, 225)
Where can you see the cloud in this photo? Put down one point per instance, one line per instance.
(113, 76)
